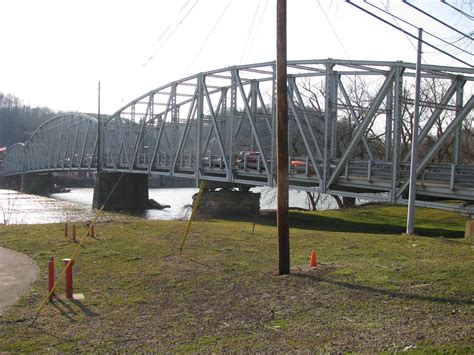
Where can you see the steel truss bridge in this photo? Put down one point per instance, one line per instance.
(349, 128)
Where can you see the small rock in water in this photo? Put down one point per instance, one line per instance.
(152, 204)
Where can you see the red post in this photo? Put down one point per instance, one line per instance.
(51, 278)
(74, 233)
(312, 260)
(65, 230)
(69, 266)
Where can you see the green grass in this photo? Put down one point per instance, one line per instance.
(374, 289)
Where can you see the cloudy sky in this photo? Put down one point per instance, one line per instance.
(54, 52)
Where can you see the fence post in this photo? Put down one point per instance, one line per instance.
(69, 264)
(51, 278)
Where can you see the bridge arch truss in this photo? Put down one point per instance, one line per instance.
(67, 142)
(347, 130)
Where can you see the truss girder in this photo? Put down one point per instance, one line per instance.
(361, 129)
(60, 144)
(456, 85)
(468, 107)
(219, 125)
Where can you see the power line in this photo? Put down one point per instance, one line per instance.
(460, 39)
(182, 7)
(436, 19)
(408, 33)
(161, 36)
(250, 30)
(173, 31)
(334, 30)
(394, 19)
(458, 10)
(256, 32)
(412, 25)
(169, 25)
(209, 35)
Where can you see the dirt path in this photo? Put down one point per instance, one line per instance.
(17, 273)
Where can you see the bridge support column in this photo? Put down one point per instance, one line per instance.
(12, 182)
(38, 184)
(130, 193)
(228, 203)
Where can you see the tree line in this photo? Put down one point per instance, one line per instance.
(18, 120)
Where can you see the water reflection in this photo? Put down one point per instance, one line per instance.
(20, 208)
(73, 206)
(177, 198)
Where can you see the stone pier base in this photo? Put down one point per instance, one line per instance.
(38, 184)
(130, 193)
(228, 204)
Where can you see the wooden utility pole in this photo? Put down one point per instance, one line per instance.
(282, 143)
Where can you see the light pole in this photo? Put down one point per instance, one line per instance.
(414, 142)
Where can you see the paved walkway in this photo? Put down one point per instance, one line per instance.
(17, 273)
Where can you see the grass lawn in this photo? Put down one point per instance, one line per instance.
(374, 289)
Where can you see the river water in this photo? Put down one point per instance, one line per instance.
(20, 208)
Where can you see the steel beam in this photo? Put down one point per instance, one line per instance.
(364, 124)
(434, 149)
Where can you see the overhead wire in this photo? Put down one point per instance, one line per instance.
(460, 39)
(438, 20)
(395, 18)
(208, 36)
(182, 7)
(250, 30)
(333, 30)
(173, 31)
(169, 25)
(409, 34)
(458, 10)
(256, 31)
(159, 38)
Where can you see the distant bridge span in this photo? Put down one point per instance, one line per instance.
(348, 125)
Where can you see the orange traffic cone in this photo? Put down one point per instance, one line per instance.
(312, 261)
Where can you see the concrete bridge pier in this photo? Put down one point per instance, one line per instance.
(127, 192)
(37, 183)
(227, 201)
(12, 182)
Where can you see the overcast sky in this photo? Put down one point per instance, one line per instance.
(53, 52)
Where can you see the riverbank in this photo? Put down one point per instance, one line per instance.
(373, 289)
